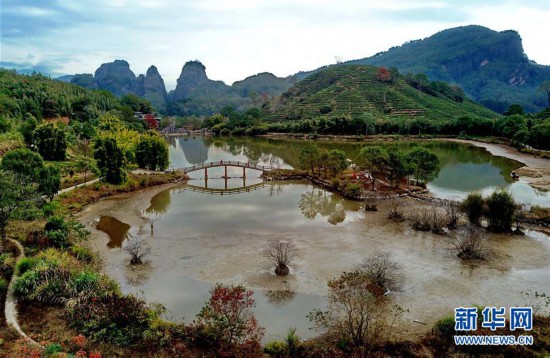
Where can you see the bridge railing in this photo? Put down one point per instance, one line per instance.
(229, 163)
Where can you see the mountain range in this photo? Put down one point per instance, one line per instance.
(490, 66)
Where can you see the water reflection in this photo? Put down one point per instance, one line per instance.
(320, 202)
(464, 168)
(114, 228)
(279, 297)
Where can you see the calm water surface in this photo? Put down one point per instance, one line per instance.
(200, 238)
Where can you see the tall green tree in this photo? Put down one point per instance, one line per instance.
(152, 152)
(51, 141)
(110, 160)
(337, 161)
(424, 164)
(23, 161)
(49, 181)
(397, 167)
(374, 158)
(16, 194)
(309, 156)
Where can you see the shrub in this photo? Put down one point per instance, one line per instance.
(395, 211)
(228, 317)
(3, 285)
(500, 211)
(114, 318)
(57, 277)
(51, 208)
(82, 253)
(470, 243)
(25, 264)
(280, 253)
(276, 348)
(57, 232)
(383, 271)
(472, 206)
(53, 349)
(445, 327)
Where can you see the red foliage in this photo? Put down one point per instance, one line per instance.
(383, 75)
(228, 316)
(151, 121)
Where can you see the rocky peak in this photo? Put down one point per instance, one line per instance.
(193, 74)
(116, 77)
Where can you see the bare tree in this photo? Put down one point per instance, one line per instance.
(452, 215)
(383, 271)
(469, 243)
(371, 204)
(420, 219)
(395, 211)
(437, 221)
(280, 253)
(137, 248)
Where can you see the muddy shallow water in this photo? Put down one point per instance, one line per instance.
(199, 239)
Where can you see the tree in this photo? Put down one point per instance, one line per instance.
(352, 308)
(424, 164)
(23, 161)
(152, 152)
(51, 141)
(397, 168)
(110, 160)
(337, 161)
(383, 75)
(309, 156)
(509, 126)
(383, 271)
(500, 211)
(137, 249)
(228, 317)
(514, 109)
(49, 181)
(280, 253)
(545, 87)
(27, 129)
(16, 194)
(472, 206)
(469, 243)
(374, 158)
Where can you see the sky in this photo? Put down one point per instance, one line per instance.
(238, 38)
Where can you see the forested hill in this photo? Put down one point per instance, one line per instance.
(31, 98)
(490, 66)
(357, 91)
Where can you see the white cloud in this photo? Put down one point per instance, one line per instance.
(235, 39)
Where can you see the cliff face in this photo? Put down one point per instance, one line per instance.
(194, 81)
(152, 88)
(116, 77)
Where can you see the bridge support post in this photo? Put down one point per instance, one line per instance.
(244, 172)
(226, 181)
(206, 173)
(226, 174)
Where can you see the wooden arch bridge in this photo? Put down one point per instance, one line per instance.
(225, 164)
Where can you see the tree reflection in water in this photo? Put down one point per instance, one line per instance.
(279, 297)
(321, 202)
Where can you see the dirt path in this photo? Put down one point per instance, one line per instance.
(536, 171)
(10, 309)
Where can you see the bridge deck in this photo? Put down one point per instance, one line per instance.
(230, 191)
(226, 163)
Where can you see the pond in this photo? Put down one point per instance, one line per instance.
(199, 238)
(464, 168)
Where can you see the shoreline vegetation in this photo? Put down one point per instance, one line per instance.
(53, 326)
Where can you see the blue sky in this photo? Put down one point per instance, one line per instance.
(235, 39)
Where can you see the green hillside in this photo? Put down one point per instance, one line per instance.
(356, 91)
